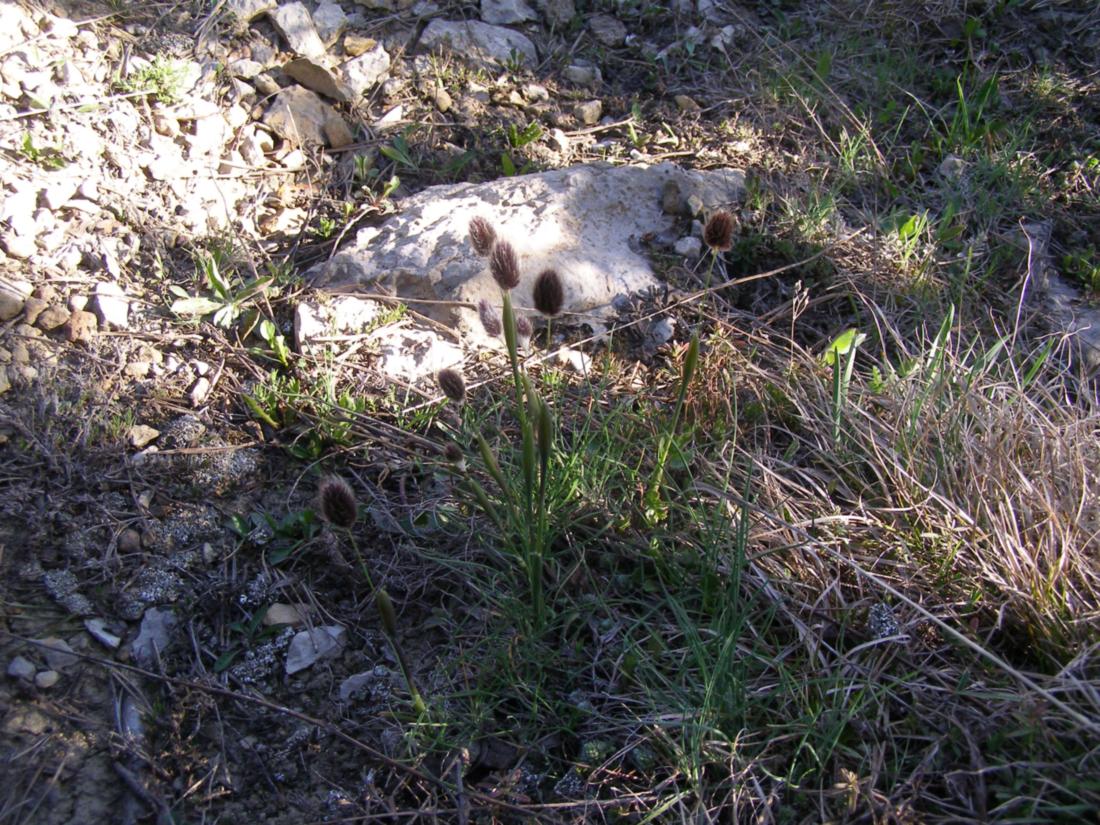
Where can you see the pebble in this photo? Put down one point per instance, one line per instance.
(81, 326)
(689, 247)
(338, 133)
(442, 100)
(582, 74)
(608, 30)
(281, 613)
(588, 112)
(100, 632)
(560, 140)
(47, 679)
(13, 297)
(199, 391)
(110, 305)
(355, 45)
(52, 317)
(19, 246)
(20, 668)
(129, 541)
(686, 104)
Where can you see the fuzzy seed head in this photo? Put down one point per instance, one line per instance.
(453, 452)
(504, 265)
(338, 504)
(548, 293)
(718, 232)
(524, 330)
(482, 236)
(453, 384)
(490, 320)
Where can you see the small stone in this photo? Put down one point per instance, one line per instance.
(245, 68)
(686, 104)
(314, 75)
(330, 20)
(137, 369)
(362, 72)
(199, 391)
(506, 12)
(297, 116)
(442, 100)
(252, 148)
(338, 133)
(608, 30)
(52, 317)
(689, 247)
(62, 27)
(588, 112)
(47, 679)
(154, 637)
(280, 613)
(101, 633)
(266, 85)
(21, 668)
(247, 10)
(560, 140)
(355, 45)
(5, 381)
(19, 246)
(129, 541)
(110, 305)
(81, 326)
(557, 12)
(295, 24)
(582, 74)
(535, 93)
(480, 42)
(660, 332)
(13, 297)
(33, 308)
(141, 435)
(310, 646)
(391, 119)
(576, 360)
(952, 167)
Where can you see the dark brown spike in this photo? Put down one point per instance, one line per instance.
(718, 232)
(504, 265)
(482, 236)
(453, 384)
(548, 293)
(490, 320)
(338, 505)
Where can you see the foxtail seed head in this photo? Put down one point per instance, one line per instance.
(338, 504)
(490, 321)
(482, 236)
(453, 384)
(548, 293)
(718, 232)
(504, 265)
(524, 330)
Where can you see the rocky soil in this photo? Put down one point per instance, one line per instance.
(181, 187)
(162, 167)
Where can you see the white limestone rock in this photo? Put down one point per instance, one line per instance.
(295, 24)
(310, 646)
(506, 12)
(479, 42)
(583, 221)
